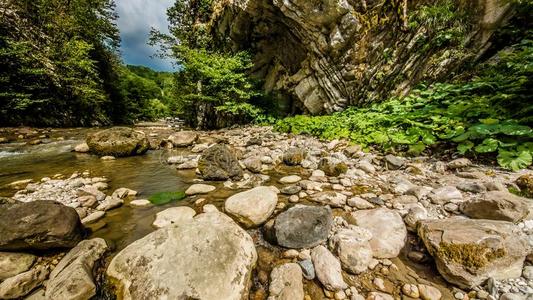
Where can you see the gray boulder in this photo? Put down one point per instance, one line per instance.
(209, 257)
(183, 138)
(253, 207)
(468, 252)
(118, 142)
(303, 226)
(219, 163)
(47, 224)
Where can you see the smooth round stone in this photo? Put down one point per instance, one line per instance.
(290, 179)
(199, 188)
(140, 203)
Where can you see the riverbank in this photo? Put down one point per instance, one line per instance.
(380, 216)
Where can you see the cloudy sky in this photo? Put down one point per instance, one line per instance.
(136, 17)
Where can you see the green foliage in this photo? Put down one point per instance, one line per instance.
(166, 197)
(215, 86)
(491, 113)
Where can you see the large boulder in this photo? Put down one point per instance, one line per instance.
(353, 248)
(73, 277)
(497, 205)
(219, 163)
(388, 230)
(209, 257)
(39, 225)
(118, 141)
(286, 283)
(303, 226)
(467, 252)
(183, 138)
(253, 207)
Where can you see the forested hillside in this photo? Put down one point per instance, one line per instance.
(59, 66)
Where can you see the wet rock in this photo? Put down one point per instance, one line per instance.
(20, 184)
(332, 166)
(183, 138)
(497, 205)
(110, 203)
(253, 164)
(467, 252)
(327, 269)
(173, 215)
(122, 193)
(199, 148)
(286, 283)
(445, 194)
(459, 163)
(22, 284)
(118, 142)
(334, 199)
(387, 228)
(46, 225)
(353, 248)
(303, 226)
(199, 188)
(253, 207)
(290, 179)
(82, 148)
(140, 203)
(291, 190)
(92, 218)
(146, 269)
(73, 277)
(219, 163)
(428, 292)
(394, 162)
(12, 264)
(294, 156)
(308, 270)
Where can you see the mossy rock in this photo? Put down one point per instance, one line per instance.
(118, 142)
(294, 156)
(332, 167)
(219, 163)
(525, 183)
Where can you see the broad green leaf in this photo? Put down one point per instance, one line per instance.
(488, 145)
(514, 160)
(465, 147)
(489, 121)
(417, 148)
(515, 129)
(166, 197)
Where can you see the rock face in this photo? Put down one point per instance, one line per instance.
(303, 226)
(72, 278)
(497, 205)
(327, 55)
(467, 252)
(286, 283)
(387, 228)
(211, 250)
(118, 142)
(253, 207)
(39, 225)
(219, 163)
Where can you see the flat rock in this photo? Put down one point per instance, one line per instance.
(39, 225)
(290, 179)
(183, 138)
(333, 199)
(12, 263)
(328, 269)
(445, 194)
(211, 250)
(110, 203)
(497, 205)
(22, 284)
(140, 203)
(92, 218)
(73, 277)
(467, 252)
(173, 215)
(252, 207)
(286, 283)
(388, 230)
(199, 188)
(303, 226)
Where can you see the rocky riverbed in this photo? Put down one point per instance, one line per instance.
(267, 216)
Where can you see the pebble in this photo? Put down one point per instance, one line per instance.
(411, 290)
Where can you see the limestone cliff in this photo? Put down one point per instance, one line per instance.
(328, 54)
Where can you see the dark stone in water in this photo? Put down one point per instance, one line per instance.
(39, 225)
(303, 226)
(219, 163)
